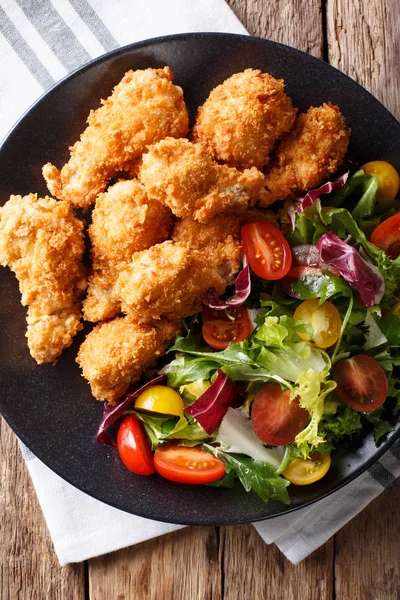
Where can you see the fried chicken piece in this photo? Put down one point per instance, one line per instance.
(124, 221)
(115, 354)
(42, 242)
(143, 108)
(171, 279)
(312, 150)
(243, 118)
(183, 176)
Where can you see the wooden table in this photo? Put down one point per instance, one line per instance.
(362, 38)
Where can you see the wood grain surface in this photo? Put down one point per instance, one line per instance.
(360, 37)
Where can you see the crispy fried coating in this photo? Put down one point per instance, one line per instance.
(243, 118)
(312, 150)
(183, 176)
(171, 279)
(42, 242)
(143, 108)
(115, 354)
(124, 221)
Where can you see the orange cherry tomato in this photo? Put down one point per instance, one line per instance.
(387, 176)
(186, 464)
(324, 319)
(387, 236)
(275, 420)
(304, 471)
(133, 447)
(267, 251)
(361, 383)
(218, 330)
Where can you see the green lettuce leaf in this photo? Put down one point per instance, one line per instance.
(163, 428)
(324, 286)
(311, 390)
(390, 327)
(257, 476)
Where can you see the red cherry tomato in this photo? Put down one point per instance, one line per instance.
(267, 251)
(187, 464)
(276, 421)
(133, 447)
(218, 330)
(361, 383)
(387, 236)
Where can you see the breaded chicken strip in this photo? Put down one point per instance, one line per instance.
(115, 354)
(243, 118)
(124, 221)
(143, 108)
(312, 150)
(171, 279)
(183, 176)
(42, 242)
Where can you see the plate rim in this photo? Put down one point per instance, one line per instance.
(392, 437)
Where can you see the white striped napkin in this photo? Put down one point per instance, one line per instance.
(40, 42)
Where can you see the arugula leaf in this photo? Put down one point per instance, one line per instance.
(226, 481)
(356, 180)
(254, 475)
(183, 370)
(303, 232)
(390, 327)
(381, 426)
(366, 204)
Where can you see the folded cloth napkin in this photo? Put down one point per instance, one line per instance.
(40, 43)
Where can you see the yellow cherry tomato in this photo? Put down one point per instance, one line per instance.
(160, 399)
(395, 309)
(305, 471)
(324, 319)
(387, 176)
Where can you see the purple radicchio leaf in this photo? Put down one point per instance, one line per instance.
(210, 408)
(111, 414)
(362, 275)
(325, 188)
(242, 291)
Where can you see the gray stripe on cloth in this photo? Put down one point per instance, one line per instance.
(395, 449)
(55, 32)
(95, 24)
(24, 51)
(381, 474)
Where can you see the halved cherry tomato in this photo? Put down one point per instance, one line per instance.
(160, 399)
(187, 464)
(219, 331)
(387, 176)
(133, 447)
(387, 236)
(275, 420)
(361, 383)
(267, 251)
(324, 318)
(306, 471)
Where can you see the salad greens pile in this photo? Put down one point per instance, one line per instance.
(218, 387)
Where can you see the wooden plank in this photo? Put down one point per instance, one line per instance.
(28, 565)
(184, 564)
(297, 23)
(364, 43)
(368, 549)
(266, 573)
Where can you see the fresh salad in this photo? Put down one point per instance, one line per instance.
(305, 352)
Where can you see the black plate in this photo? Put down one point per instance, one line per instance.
(51, 408)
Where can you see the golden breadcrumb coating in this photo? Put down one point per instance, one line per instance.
(312, 151)
(183, 176)
(124, 221)
(171, 279)
(243, 118)
(143, 108)
(42, 242)
(115, 354)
